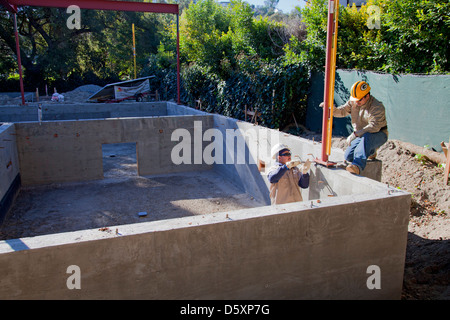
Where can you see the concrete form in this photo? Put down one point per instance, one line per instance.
(321, 248)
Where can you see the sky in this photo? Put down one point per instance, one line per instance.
(284, 5)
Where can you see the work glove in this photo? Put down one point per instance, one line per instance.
(323, 103)
(293, 163)
(350, 138)
(306, 166)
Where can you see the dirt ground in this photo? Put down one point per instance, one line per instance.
(427, 266)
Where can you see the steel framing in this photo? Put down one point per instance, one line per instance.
(11, 5)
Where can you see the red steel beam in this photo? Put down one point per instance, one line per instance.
(19, 60)
(100, 5)
(326, 111)
(11, 5)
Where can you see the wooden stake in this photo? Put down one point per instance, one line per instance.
(134, 51)
(447, 168)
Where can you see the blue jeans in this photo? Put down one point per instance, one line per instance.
(363, 147)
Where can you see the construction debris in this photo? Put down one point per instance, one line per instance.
(78, 95)
(431, 155)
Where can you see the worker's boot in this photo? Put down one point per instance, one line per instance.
(352, 169)
(373, 156)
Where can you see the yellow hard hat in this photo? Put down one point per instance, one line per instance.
(359, 90)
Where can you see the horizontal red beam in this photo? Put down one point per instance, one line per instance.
(99, 5)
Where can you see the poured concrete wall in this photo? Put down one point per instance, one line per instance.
(258, 143)
(59, 151)
(9, 168)
(307, 250)
(291, 251)
(55, 111)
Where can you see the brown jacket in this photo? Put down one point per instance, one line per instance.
(370, 117)
(286, 190)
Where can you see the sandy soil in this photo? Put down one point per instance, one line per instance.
(427, 266)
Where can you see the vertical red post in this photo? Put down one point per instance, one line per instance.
(19, 61)
(327, 93)
(11, 5)
(178, 60)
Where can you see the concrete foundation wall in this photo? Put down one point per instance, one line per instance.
(60, 151)
(315, 249)
(258, 141)
(174, 109)
(54, 111)
(9, 168)
(289, 251)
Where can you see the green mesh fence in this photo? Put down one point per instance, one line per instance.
(417, 106)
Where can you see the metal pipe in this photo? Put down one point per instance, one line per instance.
(332, 77)
(102, 5)
(11, 5)
(178, 61)
(326, 110)
(134, 51)
(19, 60)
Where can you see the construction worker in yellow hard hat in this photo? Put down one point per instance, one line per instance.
(369, 126)
(285, 177)
(359, 90)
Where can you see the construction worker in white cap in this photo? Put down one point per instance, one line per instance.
(369, 126)
(285, 177)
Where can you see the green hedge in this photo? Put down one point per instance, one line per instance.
(276, 89)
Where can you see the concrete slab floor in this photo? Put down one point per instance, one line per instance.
(119, 198)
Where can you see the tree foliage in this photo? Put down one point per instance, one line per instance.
(415, 36)
(231, 57)
(51, 53)
(237, 62)
(412, 37)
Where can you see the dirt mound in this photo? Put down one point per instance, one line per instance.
(80, 94)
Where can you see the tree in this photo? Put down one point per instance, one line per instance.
(204, 26)
(413, 36)
(271, 5)
(45, 46)
(100, 49)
